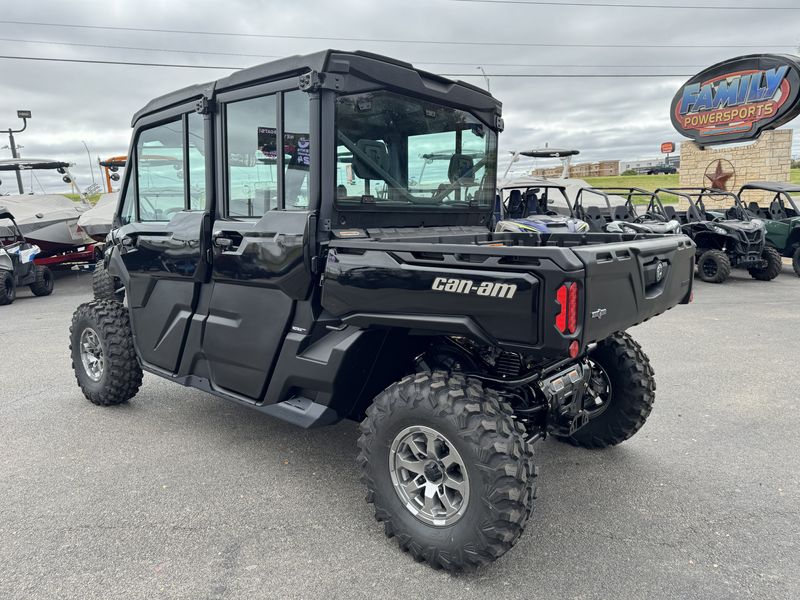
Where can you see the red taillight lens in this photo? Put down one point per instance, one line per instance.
(572, 307)
(561, 317)
(567, 317)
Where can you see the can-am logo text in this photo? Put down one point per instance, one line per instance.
(493, 289)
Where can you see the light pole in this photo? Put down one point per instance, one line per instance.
(24, 115)
(89, 156)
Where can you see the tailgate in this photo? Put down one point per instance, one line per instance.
(627, 283)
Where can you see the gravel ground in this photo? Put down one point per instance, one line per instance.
(181, 495)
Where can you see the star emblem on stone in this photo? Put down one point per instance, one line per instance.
(719, 177)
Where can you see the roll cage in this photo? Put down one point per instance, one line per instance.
(697, 212)
(777, 209)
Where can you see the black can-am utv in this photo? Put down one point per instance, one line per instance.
(781, 215)
(613, 210)
(725, 239)
(17, 268)
(292, 260)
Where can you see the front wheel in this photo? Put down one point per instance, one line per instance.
(773, 268)
(8, 287)
(448, 470)
(622, 387)
(796, 261)
(105, 285)
(44, 282)
(103, 356)
(713, 266)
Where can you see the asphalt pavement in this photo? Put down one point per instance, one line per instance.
(181, 495)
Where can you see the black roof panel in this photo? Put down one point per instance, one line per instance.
(772, 186)
(367, 65)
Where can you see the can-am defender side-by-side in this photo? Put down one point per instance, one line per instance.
(17, 268)
(613, 210)
(781, 216)
(294, 267)
(525, 204)
(726, 239)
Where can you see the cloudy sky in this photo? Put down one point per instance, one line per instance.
(606, 118)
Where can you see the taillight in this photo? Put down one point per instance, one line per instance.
(567, 317)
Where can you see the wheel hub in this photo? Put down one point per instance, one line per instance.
(429, 475)
(92, 354)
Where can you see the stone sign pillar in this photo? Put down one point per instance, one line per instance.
(728, 168)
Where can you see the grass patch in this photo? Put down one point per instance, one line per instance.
(92, 198)
(646, 182)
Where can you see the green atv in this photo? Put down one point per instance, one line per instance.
(781, 218)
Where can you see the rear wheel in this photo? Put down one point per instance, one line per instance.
(105, 285)
(43, 285)
(713, 266)
(8, 287)
(773, 268)
(796, 261)
(103, 356)
(448, 469)
(623, 390)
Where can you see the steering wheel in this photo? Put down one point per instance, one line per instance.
(551, 213)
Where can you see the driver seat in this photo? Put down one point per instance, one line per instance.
(776, 211)
(516, 206)
(693, 214)
(621, 213)
(595, 218)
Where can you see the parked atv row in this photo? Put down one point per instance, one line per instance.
(17, 268)
(748, 237)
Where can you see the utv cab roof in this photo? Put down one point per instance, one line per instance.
(26, 164)
(5, 214)
(335, 68)
(772, 186)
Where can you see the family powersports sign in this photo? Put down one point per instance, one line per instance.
(737, 99)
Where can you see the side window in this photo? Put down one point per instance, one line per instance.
(296, 149)
(159, 169)
(252, 153)
(196, 150)
(128, 213)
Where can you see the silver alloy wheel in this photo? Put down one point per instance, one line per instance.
(429, 475)
(92, 354)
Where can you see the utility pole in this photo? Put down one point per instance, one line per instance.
(24, 115)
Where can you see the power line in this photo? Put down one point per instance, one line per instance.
(115, 47)
(232, 68)
(210, 52)
(627, 5)
(115, 62)
(385, 40)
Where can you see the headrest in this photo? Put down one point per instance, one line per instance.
(514, 198)
(461, 169)
(621, 213)
(376, 152)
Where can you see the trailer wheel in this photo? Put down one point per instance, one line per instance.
(713, 266)
(773, 268)
(105, 285)
(448, 470)
(623, 386)
(43, 285)
(796, 261)
(8, 287)
(103, 356)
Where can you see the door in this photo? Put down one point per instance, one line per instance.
(259, 272)
(162, 246)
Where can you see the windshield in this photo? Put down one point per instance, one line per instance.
(395, 151)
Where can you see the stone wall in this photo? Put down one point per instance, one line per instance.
(766, 159)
